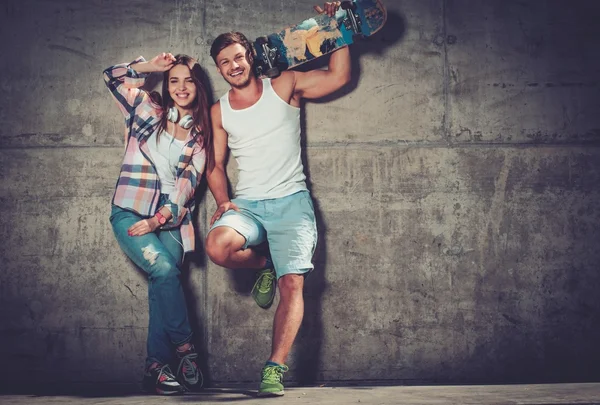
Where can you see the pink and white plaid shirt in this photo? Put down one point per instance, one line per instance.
(138, 187)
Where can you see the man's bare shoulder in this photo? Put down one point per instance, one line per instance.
(216, 107)
(215, 112)
(284, 84)
(286, 78)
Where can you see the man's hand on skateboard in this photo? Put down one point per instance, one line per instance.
(329, 8)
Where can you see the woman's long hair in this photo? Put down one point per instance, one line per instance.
(200, 107)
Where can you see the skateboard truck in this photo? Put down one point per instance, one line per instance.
(269, 56)
(352, 20)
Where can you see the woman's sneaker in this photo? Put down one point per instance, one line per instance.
(188, 372)
(160, 380)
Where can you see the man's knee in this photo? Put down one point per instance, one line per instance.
(219, 244)
(291, 283)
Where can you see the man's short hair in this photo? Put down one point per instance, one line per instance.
(231, 38)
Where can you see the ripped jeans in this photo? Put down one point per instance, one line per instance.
(158, 254)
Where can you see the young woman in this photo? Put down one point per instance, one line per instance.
(167, 139)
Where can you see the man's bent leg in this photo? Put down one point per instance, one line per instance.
(230, 238)
(228, 248)
(238, 240)
(225, 247)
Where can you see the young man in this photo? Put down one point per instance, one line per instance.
(259, 121)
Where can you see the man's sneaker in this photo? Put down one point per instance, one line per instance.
(160, 380)
(271, 383)
(188, 372)
(263, 291)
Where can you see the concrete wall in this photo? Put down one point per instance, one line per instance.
(456, 185)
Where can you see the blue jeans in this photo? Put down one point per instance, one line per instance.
(158, 254)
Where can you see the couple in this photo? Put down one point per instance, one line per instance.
(170, 140)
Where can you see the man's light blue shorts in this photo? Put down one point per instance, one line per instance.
(287, 224)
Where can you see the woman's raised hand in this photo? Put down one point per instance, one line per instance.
(162, 62)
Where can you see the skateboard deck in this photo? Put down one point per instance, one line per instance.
(317, 36)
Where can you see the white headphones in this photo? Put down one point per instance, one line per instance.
(185, 122)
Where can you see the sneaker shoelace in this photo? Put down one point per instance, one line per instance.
(273, 374)
(188, 368)
(266, 282)
(164, 374)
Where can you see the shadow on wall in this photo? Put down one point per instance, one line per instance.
(308, 346)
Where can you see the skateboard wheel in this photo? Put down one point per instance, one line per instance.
(272, 72)
(348, 5)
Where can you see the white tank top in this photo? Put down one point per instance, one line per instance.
(265, 141)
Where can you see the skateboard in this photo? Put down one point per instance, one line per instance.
(317, 36)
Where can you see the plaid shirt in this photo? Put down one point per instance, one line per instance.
(138, 188)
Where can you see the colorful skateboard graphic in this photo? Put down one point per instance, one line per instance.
(317, 36)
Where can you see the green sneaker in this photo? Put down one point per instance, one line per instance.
(272, 381)
(263, 291)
